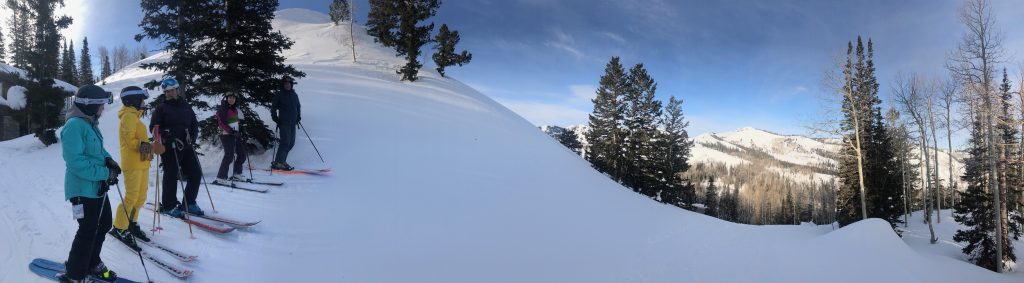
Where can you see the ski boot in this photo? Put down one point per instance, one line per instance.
(175, 212)
(125, 237)
(281, 166)
(136, 231)
(192, 209)
(102, 274)
(240, 178)
(222, 182)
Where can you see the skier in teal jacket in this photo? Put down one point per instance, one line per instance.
(90, 171)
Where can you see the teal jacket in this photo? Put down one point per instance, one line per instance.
(83, 151)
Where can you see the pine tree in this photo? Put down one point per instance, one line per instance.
(641, 129)
(243, 53)
(67, 71)
(21, 33)
(788, 215)
(605, 134)
(1010, 170)
(711, 199)
(974, 211)
(3, 48)
(882, 176)
(672, 153)
(445, 55)
(85, 76)
(44, 101)
(105, 70)
(180, 25)
(395, 23)
(569, 139)
(382, 21)
(339, 11)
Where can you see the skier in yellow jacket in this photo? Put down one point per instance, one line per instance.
(136, 154)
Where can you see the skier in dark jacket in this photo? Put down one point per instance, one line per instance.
(286, 111)
(229, 120)
(174, 124)
(89, 173)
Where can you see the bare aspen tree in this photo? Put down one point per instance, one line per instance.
(947, 100)
(910, 93)
(841, 83)
(974, 62)
(930, 93)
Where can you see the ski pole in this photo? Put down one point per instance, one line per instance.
(174, 146)
(277, 146)
(201, 176)
(156, 198)
(126, 215)
(311, 142)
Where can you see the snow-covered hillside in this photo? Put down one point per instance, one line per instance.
(435, 182)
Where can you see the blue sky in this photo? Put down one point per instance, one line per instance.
(734, 63)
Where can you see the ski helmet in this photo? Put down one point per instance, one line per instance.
(89, 98)
(169, 84)
(133, 96)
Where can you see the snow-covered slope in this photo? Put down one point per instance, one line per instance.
(435, 182)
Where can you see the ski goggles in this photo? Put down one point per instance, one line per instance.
(95, 101)
(142, 92)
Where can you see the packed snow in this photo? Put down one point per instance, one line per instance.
(435, 182)
(15, 97)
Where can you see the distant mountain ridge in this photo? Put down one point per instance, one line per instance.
(799, 158)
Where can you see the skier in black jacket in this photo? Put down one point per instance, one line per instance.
(286, 111)
(174, 124)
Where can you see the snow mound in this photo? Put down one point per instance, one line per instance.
(15, 98)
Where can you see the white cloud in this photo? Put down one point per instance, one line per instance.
(78, 11)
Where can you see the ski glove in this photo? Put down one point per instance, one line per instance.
(146, 151)
(105, 187)
(112, 166)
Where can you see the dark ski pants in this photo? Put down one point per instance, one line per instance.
(234, 150)
(92, 229)
(287, 132)
(186, 158)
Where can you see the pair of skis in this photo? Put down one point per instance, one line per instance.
(172, 268)
(221, 225)
(234, 185)
(52, 269)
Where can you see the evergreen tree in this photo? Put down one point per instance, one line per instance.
(1009, 167)
(21, 33)
(605, 134)
(788, 215)
(882, 177)
(181, 26)
(382, 21)
(974, 211)
(44, 101)
(85, 76)
(569, 139)
(243, 53)
(396, 23)
(641, 129)
(725, 204)
(3, 48)
(672, 152)
(339, 11)
(105, 69)
(248, 60)
(711, 199)
(445, 55)
(67, 70)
